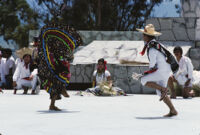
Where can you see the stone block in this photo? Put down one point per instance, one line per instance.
(120, 72)
(193, 4)
(190, 14)
(134, 85)
(180, 33)
(110, 68)
(197, 44)
(190, 22)
(147, 90)
(79, 73)
(155, 22)
(197, 11)
(178, 20)
(123, 84)
(166, 23)
(184, 43)
(191, 34)
(89, 69)
(197, 32)
(167, 43)
(196, 64)
(137, 36)
(167, 35)
(186, 6)
(73, 73)
(194, 53)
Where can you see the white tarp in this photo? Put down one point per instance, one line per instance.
(114, 51)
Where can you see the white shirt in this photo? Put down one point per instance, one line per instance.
(17, 61)
(9, 63)
(185, 68)
(101, 77)
(157, 59)
(22, 72)
(2, 65)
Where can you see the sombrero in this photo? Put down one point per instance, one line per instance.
(20, 53)
(149, 30)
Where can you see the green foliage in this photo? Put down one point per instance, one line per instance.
(103, 14)
(17, 18)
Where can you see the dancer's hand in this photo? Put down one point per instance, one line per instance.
(31, 78)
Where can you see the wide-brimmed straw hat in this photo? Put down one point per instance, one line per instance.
(149, 30)
(20, 53)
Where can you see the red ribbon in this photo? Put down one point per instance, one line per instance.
(105, 62)
(143, 50)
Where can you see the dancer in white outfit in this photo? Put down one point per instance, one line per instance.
(159, 73)
(184, 76)
(23, 77)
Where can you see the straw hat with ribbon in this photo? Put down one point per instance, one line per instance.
(149, 30)
(20, 53)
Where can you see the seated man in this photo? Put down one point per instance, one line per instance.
(24, 76)
(184, 75)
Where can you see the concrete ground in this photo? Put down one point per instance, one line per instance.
(88, 115)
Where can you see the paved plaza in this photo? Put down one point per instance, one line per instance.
(88, 115)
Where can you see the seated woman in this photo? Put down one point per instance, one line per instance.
(102, 83)
(25, 76)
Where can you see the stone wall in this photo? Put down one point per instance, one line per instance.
(190, 8)
(89, 36)
(121, 75)
(180, 31)
(176, 31)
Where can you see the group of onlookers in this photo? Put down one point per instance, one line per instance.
(18, 74)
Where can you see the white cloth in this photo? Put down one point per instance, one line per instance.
(185, 68)
(2, 65)
(163, 72)
(17, 61)
(10, 63)
(101, 77)
(23, 72)
(31, 84)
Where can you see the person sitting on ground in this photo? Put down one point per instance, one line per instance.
(102, 83)
(184, 75)
(24, 76)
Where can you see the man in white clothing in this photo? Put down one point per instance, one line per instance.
(24, 77)
(2, 76)
(184, 75)
(160, 71)
(9, 67)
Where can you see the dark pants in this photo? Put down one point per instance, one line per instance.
(9, 82)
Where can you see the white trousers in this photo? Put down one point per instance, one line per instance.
(159, 77)
(28, 83)
(182, 79)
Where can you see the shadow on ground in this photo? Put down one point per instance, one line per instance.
(50, 111)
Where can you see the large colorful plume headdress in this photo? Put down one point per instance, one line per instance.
(57, 43)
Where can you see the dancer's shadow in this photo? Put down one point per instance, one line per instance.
(51, 111)
(153, 118)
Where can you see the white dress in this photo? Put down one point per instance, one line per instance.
(101, 77)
